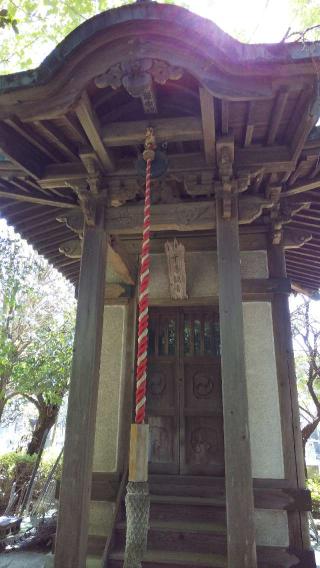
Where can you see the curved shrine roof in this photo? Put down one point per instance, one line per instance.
(79, 118)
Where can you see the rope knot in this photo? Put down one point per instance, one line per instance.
(149, 145)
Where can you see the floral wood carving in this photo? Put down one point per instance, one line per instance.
(138, 78)
(202, 385)
(204, 441)
(157, 384)
(175, 253)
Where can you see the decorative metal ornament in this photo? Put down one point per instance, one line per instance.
(159, 165)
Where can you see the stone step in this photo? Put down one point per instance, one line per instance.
(203, 537)
(159, 559)
(179, 540)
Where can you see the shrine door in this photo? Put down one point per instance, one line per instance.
(184, 400)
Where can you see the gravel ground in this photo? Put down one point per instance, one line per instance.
(22, 560)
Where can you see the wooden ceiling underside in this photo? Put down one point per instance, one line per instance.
(42, 156)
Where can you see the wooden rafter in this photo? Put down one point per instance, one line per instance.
(21, 152)
(39, 199)
(75, 127)
(249, 127)
(277, 113)
(91, 126)
(224, 117)
(302, 186)
(208, 125)
(58, 138)
(26, 131)
(305, 122)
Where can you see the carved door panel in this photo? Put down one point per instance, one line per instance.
(184, 400)
(201, 414)
(162, 394)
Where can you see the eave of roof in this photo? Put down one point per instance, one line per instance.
(237, 53)
(279, 79)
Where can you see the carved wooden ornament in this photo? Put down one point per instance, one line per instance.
(175, 253)
(138, 78)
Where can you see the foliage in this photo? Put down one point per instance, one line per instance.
(7, 20)
(313, 483)
(306, 14)
(36, 327)
(11, 466)
(42, 25)
(306, 336)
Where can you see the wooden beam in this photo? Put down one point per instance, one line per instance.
(39, 199)
(238, 474)
(208, 125)
(165, 129)
(188, 216)
(302, 186)
(305, 122)
(288, 395)
(90, 124)
(75, 127)
(58, 138)
(276, 117)
(21, 152)
(224, 117)
(272, 159)
(28, 134)
(73, 520)
(120, 261)
(250, 124)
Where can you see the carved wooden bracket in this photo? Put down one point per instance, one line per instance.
(74, 220)
(195, 184)
(175, 253)
(282, 212)
(72, 248)
(294, 238)
(138, 77)
(231, 183)
(225, 159)
(122, 190)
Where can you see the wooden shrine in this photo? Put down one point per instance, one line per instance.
(235, 229)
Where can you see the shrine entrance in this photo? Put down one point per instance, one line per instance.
(184, 396)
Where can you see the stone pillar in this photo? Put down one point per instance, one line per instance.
(72, 533)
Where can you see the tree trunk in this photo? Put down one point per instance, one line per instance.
(2, 406)
(46, 419)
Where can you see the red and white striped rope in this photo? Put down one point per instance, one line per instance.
(142, 356)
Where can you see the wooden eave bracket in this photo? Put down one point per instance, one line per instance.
(233, 183)
(118, 257)
(281, 214)
(226, 186)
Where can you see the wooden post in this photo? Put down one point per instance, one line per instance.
(72, 533)
(288, 398)
(239, 491)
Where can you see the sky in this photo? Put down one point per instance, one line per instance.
(251, 21)
(258, 21)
